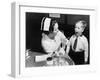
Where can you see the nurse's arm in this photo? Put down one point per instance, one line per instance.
(68, 48)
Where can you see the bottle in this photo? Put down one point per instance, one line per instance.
(49, 61)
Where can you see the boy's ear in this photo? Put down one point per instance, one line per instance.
(83, 29)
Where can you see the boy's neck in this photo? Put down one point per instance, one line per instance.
(78, 34)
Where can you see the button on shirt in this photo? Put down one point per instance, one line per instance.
(82, 44)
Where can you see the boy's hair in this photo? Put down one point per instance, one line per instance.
(84, 24)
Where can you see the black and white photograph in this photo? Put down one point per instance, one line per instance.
(52, 39)
(56, 39)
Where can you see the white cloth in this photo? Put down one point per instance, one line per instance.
(51, 45)
(60, 37)
(48, 44)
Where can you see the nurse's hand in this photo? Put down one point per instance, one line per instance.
(66, 56)
(53, 55)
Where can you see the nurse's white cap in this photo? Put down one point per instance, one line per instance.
(45, 24)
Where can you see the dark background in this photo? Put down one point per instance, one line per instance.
(66, 24)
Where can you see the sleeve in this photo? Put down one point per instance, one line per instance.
(69, 44)
(86, 48)
(63, 38)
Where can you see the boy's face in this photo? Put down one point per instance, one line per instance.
(79, 28)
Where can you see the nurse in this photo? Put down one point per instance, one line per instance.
(52, 37)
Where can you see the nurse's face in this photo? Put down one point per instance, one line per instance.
(51, 35)
(55, 27)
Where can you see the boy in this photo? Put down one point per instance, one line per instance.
(78, 45)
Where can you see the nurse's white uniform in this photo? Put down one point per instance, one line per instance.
(51, 45)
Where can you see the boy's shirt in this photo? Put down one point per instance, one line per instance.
(82, 43)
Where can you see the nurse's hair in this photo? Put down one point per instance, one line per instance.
(84, 24)
(53, 22)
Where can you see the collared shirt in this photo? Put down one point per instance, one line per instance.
(82, 44)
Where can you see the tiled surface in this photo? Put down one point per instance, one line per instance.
(30, 62)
